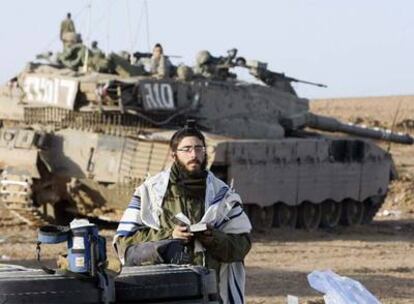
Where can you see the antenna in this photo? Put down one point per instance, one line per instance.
(138, 29)
(131, 43)
(108, 26)
(393, 123)
(88, 37)
(143, 15)
(147, 25)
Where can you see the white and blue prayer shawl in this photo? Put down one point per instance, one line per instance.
(223, 210)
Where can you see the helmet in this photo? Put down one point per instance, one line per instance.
(203, 57)
(184, 72)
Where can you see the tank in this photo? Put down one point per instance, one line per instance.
(77, 141)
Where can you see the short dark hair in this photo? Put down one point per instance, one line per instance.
(189, 130)
(158, 45)
(69, 15)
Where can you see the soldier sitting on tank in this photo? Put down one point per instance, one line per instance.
(152, 229)
(160, 65)
(97, 60)
(120, 64)
(278, 80)
(155, 63)
(184, 72)
(96, 51)
(216, 68)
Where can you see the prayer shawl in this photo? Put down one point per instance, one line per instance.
(222, 210)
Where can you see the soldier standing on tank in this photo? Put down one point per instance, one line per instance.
(149, 232)
(67, 26)
(160, 65)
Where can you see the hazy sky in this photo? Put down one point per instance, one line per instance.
(357, 48)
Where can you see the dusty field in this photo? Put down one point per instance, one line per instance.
(372, 111)
(380, 256)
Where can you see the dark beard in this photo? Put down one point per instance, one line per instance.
(196, 173)
(189, 183)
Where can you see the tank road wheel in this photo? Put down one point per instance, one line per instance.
(260, 217)
(352, 213)
(268, 215)
(371, 207)
(285, 216)
(254, 213)
(309, 216)
(331, 214)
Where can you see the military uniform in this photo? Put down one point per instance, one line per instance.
(97, 52)
(160, 67)
(67, 26)
(97, 60)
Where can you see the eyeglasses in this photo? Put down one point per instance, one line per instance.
(189, 149)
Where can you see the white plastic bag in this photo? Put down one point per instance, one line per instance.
(340, 290)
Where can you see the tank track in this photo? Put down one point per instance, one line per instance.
(16, 196)
(17, 193)
(262, 218)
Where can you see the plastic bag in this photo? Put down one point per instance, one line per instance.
(340, 290)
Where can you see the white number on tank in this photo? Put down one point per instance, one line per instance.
(158, 96)
(53, 91)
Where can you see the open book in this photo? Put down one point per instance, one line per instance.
(182, 219)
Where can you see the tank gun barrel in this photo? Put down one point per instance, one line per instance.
(259, 70)
(321, 85)
(138, 55)
(333, 125)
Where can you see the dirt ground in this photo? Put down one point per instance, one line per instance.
(380, 256)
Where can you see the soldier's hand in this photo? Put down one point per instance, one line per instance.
(181, 232)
